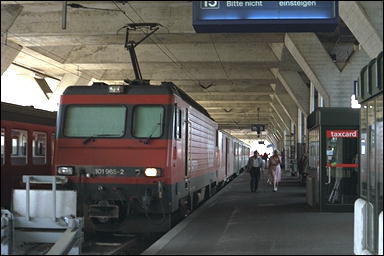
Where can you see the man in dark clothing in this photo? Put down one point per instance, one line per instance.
(265, 157)
(255, 163)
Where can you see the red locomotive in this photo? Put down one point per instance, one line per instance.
(27, 143)
(141, 156)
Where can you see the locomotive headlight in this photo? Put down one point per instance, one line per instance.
(152, 172)
(115, 89)
(65, 170)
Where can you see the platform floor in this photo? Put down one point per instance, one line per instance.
(237, 221)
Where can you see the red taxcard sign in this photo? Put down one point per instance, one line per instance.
(342, 133)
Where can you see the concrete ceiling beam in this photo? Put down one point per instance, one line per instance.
(9, 49)
(201, 71)
(365, 20)
(9, 14)
(9, 52)
(174, 16)
(280, 114)
(306, 50)
(197, 52)
(334, 85)
(286, 102)
(227, 102)
(185, 65)
(68, 80)
(59, 38)
(232, 97)
(296, 88)
(219, 88)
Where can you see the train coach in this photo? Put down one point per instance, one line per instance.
(141, 156)
(233, 156)
(27, 146)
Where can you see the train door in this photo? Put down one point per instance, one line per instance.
(187, 147)
(226, 156)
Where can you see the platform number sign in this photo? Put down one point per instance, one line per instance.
(210, 4)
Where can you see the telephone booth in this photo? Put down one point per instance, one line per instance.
(333, 164)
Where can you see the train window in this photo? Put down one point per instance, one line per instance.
(95, 121)
(178, 117)
(217, 138)
(2, 145)
(19, 147)
(148, 121)
(39, 148)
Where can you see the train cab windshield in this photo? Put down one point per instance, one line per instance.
(147, 121)
(95, 121)
(109, 121)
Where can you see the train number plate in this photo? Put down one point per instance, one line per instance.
(110, 172)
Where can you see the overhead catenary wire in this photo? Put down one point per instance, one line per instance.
(221, 62)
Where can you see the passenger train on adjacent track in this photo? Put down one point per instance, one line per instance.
(27, 145)
(141, 156)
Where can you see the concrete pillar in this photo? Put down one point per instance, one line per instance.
(365, 20)
(321, 101)
(300, 131)
(67, 80)
(305, 135)
(9, 49)
(312, 98)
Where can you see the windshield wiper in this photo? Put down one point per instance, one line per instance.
(93, 137)
(153, 130)
(146, 141)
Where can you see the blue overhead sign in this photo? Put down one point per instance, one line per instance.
(265, 16)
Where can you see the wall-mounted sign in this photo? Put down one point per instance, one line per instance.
(342, 133)
(264, 16)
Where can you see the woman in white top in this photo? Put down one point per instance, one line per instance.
(275, 169)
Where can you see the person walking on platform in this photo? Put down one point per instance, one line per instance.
(267, 172)
(275, 169)
(255, 163)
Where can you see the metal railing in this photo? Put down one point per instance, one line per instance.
(40, 220)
